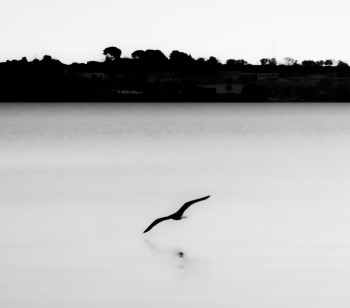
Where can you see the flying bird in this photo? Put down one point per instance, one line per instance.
(177, 215)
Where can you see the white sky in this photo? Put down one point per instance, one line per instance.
(79, 30)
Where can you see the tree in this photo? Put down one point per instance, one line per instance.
(270, 62)
(320, 63)
(47, 59)
(342, 64)
(273, 61)
(150, 56)
(200, 60)
(233, 62)
(154, 57)
(49, 62)
(290, 61)
(213, 61)
(328, 62)
(308, 63)
(180, 58)
(112, 53)
(138, 54)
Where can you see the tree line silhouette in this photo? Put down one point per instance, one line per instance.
(149, 75)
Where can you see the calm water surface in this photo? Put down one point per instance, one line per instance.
(80, 183)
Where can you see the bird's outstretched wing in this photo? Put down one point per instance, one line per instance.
(188, 204)
(157, 221)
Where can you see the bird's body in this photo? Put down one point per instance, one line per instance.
(177, 215)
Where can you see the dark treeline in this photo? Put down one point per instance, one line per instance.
(149, 75)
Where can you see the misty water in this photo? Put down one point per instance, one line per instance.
(80, 183)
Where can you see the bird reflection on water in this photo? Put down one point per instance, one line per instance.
(179, 254)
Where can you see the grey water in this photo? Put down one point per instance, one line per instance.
(79, 183)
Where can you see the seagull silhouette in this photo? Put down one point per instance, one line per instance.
(176, 216)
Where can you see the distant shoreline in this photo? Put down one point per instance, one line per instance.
(152, 77)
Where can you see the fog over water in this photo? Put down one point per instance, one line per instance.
(80, 183)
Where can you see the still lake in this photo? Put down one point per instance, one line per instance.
(79, 183)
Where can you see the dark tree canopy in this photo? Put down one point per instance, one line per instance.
(48, 61)
(180, 58)
(154, 56)
(267, 61)
(149, 57)
(342, 64)
(138, 54)
(200, 60)
(47, 58)
(213, 60)
(112, 53)
(308, 63)
(233, 62)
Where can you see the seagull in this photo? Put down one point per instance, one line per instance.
(177, 215)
